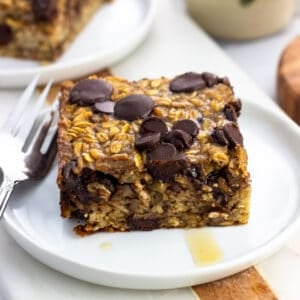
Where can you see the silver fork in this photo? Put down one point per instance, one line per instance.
(28, 141)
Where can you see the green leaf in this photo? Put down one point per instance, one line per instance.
(246, 2)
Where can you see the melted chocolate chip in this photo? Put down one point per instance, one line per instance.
(189, 126)
(210, 79)
(141, 223)
(225, 80)
(219, 197)
(212, 177)
(153, 124)
(133, 107)
(90, 91)
(44, 10)
(147, 141)
(180, 139)
(163, 151)
(106, 107)
(219, 137)
(6, 34)
(166, 169)
(195, 174)
(187, 82)
(237, 106)
(79, 184)
(233, 134)
(230, 113)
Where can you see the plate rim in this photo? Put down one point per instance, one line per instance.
(164, 280)
(20, 78)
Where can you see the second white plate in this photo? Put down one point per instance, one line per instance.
(116, 29)
(161, 259)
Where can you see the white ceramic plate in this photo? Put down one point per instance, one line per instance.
(113, 33)
(161, 259)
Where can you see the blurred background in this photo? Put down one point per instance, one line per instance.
(252, 32)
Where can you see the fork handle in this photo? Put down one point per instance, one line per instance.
(6, 189)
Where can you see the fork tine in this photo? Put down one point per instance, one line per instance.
(16, 113)
(42, 133)
(39, 163)
(47, 118)
(27, 120)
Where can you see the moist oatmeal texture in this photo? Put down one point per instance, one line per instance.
(42, 29)
(152, 153)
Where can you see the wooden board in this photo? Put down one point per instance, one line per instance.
(288, 80)
(246, 285)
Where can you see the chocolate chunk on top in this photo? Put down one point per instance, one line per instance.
(164, 161)
(6, 34)
(189, 126)
(233, 134)
(153, 124)
(106, 107)
(237, 106)
(90, 91)
(44, 10)
(164, 151)
(187, 82)
(166, 169)
(230, 113)
(133, 107)
(147, 141)
(218, 137)
(210, 79)
(180, 139)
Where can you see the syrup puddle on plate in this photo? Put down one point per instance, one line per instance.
(105, 246)
(203, 247)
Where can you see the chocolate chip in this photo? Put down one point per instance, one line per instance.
(79, 184)
(200, 118)
(219, 197)
(179, 138)
(164, 162)
(187, 82)
(78, 214)
(147, 141)
(213, 176)
(166, 169)
(106, 107)
(44, 10)
(88, 177)
(237, 106)
(219, 137)
(141, 223)
(210, 79)
(225, 80)
(230, 113)
(6, 34)
(189, 126)
(163, 151)
(133, 107)
(153, 124)
(89, 91)
(233, 134)
(195, 174)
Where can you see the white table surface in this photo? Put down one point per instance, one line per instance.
(22, 277)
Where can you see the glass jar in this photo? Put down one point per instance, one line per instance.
(241, 19)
